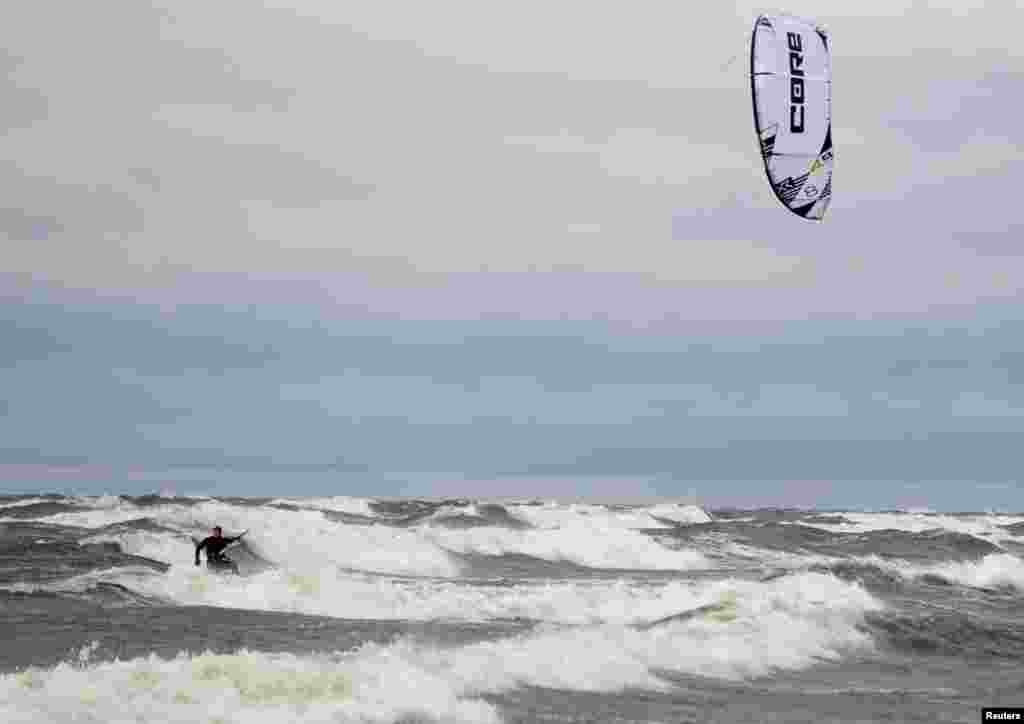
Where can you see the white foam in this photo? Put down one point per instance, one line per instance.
(306, 540)
(310, 550)
(773, 558)
(140, 579)
(104, 511)
(330, 593)
(303, 541)
(337, 503)
(588, 535)
(163, 546)
(449, 511)
(996, 569)
(589, 542)
(993, 570)
(24, 501)
(557, 515)
(247, 688)
(985, 526)
(680, 513)
(789, 623)
(99, 501)
(101, 511)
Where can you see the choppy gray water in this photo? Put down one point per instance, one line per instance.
(518, 611)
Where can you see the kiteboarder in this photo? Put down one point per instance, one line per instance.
(215, 545)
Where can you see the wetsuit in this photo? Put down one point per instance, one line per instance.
(215, 546)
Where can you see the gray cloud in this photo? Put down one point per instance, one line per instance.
(25, 105)
(953, 106)
(19, 224)
(324, 144)
(947, 457)
(351, 240)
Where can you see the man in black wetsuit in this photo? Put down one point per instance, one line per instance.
(215, 545)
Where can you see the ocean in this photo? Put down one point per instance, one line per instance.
(361, 610)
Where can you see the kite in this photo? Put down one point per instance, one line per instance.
(791, 86)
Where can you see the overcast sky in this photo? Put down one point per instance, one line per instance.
(501, 249)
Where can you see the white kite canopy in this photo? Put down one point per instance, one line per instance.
(791, 83)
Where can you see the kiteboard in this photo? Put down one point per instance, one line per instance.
(723, 611)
